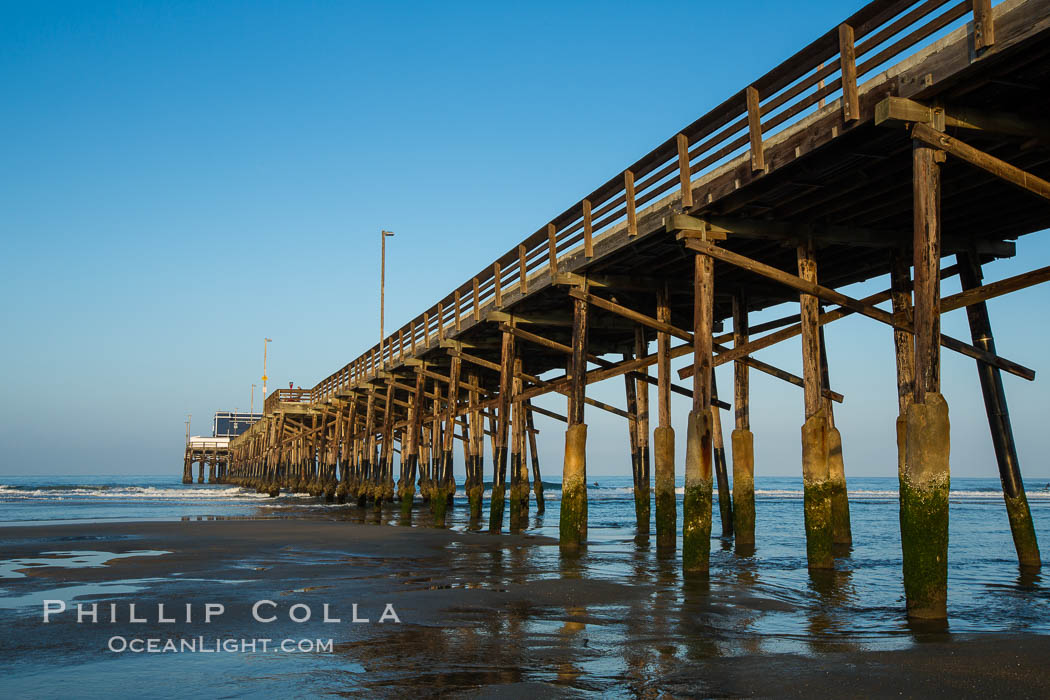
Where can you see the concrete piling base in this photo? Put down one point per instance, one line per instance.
(408, 486)
(743, 442)
(474, 496)
(572, 527)
(439, 504)
(666, 507)
(817, 491)
(696, 505)
(517, 490)
(499, 493)
(642, 512)
(924, 484)
(475, 489)
(841, 532)
(1023, 531)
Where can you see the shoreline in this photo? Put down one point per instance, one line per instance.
(480, 614)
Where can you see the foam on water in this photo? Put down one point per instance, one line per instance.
(128, 492)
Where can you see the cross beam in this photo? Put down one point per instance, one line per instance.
(561, 347)
(989, 163)
(833, 297)
(560, 385)
(688, 337)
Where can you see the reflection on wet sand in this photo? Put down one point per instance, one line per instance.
(618, 618)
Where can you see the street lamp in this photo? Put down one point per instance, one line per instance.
(188, 417)
(251, 404)
(265, 342)
(382, 291)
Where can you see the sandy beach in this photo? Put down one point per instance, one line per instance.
(480, 616)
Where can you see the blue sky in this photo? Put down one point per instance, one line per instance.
(182, 179)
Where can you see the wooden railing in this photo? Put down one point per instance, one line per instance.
(829, 69)
(287, 396)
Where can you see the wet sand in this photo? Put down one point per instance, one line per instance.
(480, 616)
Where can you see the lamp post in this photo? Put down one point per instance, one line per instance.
(188, 417)
(266, 341)
(251, 404)
(382, 291)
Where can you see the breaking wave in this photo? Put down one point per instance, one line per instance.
(52, 492)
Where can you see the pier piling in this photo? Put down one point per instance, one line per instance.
(696, 503)
(925, 478)
(1021, 526)
(815, 447)
(743, 442)
(573, 524)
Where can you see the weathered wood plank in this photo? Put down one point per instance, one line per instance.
(989, 163)
(848, 67)
(831, 296)
(809, 311)
(754, 128)
(683, 170)
(983, 25)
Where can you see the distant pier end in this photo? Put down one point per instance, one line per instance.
(214, 451)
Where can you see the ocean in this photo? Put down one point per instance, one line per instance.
(862, 600)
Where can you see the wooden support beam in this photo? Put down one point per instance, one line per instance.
(497, 285)
(748, 347)
(579, 363)
(684, 177)
(588, 230)
(743, 349)
(523, 273)
(663, 327)
(550, 414)
(975, 295)
(703, 319)
(632, 215)
(809, 310)
(989, 163)
(903, 112)
(791, 231)
(552, 249)
(474, 359)
(903, 343)
(564, 386)
(506, 382)
(848, 67)
(741, 397)
(542, 386)
(833, 297)
(692, 227)
(561, 347)
(754, 127)
(983, 26)
(442, 378)
(663, 354)
(477, 300)
(631, 314)
(926, 190)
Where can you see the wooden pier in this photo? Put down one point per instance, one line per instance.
(210, 453)
(909, 142)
